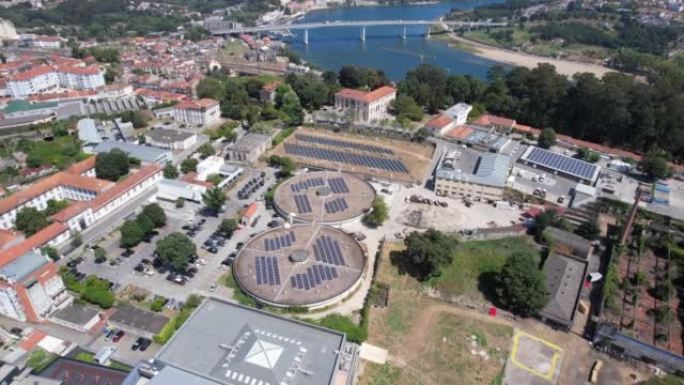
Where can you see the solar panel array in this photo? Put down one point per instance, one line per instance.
(336, 205)
(345, 157)
(314, 276)
(303, 204)
(343, 144)
(279, 242)
(267, 272)
(565, 164)
(306, 184)
(338, 186)
(327, 250)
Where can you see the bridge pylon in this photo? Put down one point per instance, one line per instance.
(403, 34)
(306, 37)
(363, 34)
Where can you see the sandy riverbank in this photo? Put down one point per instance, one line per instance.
(565, 67)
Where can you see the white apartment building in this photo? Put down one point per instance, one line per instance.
(366, 107)
(48, 79)
(203, 112)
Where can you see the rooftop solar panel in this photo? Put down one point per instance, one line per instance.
(343, 144)
(561, 163)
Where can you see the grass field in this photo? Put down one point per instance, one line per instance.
(475, 265)
(429, 342)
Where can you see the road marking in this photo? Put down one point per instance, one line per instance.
(548, 375)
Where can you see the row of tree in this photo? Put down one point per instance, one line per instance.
(134, 231)
(617, 110)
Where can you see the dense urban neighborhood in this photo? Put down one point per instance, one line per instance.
(189, 195)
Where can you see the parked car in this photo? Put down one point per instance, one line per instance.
(110, 334)
(136, 345)
(118, 336)
(212, 249)
(146, 342)
(127, 253)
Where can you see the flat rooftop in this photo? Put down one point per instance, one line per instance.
(165, 135)
(228, 344)
(324, 197)
(463, 165)
(302, 265)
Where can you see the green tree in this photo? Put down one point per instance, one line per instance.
(588, 230)
(292, 108)
(30, 220)
(541, 222)
(426, 253)
(405, 107)
(51, 253)
(521, 285)
(175, 250)
(214, 198)
(189, 165)
(547, 138)
(379, 213)
(138, 118)
(206, 150)
(156, 214)
(180, 202)
(227, 227)
(100, 255)
(76, 240)
(210, 87)
(131, 234)
(170, 171)
(588, 155)
(655, 166)
(144, 223)
(111, 165)
(54, 206)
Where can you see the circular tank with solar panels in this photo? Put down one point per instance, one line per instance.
(329, 197)
(300, 265)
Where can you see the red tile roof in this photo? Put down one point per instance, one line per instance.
(439, 122)
(493, 120)
(460, 132)
(32, 73)
(125, 185)
(35, 241)
(366, 97)
(82, 166)
(71, 211)
(32, 340)
(7, 237)
(77, 70)
(251, 210)
(191, 104)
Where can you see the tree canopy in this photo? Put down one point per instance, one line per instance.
(214, 198)
(156, 214)
(426, 253)
(547, 138)
(112, 165)
(228, 226)
(170, 171)
(189, 165)
(30, 220)
(176, 249)
(379, 213)
(655, 166)
(131, 234)
(521, 285)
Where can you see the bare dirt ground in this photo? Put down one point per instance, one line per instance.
(431, 342)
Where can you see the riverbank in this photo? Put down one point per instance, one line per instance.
(501, 55)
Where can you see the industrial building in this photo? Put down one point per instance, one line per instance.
(228, 344)
(460, 174)
(558, 164)
(249, 148)
(146, 154)
(170, 139)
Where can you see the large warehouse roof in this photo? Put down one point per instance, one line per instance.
(561, 163)
(490, 170)
(224, 343)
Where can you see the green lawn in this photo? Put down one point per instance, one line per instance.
(475, 266)
(482, 37)
(40, 359)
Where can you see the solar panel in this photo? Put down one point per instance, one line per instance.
(333, 271)
(293, 281)
(303, 204)
(342, 144)
(572, 166)
(349, 158)
(267, 271)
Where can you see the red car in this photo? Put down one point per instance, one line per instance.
(118, 336)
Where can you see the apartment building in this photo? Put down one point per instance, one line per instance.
(203, 112)
(50, 79)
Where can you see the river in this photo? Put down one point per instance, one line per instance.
(331, 48)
